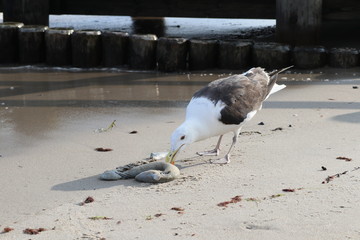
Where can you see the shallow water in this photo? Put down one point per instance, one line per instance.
(184, 27)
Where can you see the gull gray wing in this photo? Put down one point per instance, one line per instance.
(241, 95)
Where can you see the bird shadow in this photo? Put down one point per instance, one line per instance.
(193, 165)
(93, 183)
(193, 162)
(348, 117)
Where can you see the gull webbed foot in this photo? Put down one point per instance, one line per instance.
(224, 160)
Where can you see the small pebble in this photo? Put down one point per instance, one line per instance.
(101, 149)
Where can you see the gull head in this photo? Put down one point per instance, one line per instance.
(182, 136)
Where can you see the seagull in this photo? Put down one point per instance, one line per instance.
(223, 106)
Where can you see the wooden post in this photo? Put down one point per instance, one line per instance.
(271, 55)
(172, 54)
(86, 48)
(32, 44)
(203, 54)
(298, 22)
(344, 57)
(58, 46)
(114, 48)
(309, 57)
(29, 12)
(234, 54)
(149, 25)
(142, 51)
(9, 35)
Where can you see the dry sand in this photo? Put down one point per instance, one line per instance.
(49, 166)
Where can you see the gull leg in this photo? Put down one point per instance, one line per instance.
(226, 158)
(214, 152)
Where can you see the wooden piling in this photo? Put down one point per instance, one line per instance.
(309, 57)
(29, 12)
(114, 48)
(58, 46)
(298, 22)
(203, 54)
(234, 54)
(9, 49)
(149, 25)
(86, 48)
(171, 54)
(142, 51)
(32, 44)
(343, 57)
(271, 55)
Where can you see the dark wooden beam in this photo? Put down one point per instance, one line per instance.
(298, 22)
(262, 9)
(341, 10)
(163, 8)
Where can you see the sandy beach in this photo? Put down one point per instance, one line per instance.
(272, 189)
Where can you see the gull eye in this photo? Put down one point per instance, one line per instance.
(182, 137)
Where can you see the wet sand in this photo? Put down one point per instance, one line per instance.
(48, 163)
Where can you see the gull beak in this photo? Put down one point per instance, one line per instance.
(170, 158)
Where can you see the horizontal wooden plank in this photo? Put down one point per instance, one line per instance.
(341, 10)
(332, 9)
(163, 8)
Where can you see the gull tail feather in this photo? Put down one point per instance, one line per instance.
(273, 87)
(276, 72)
